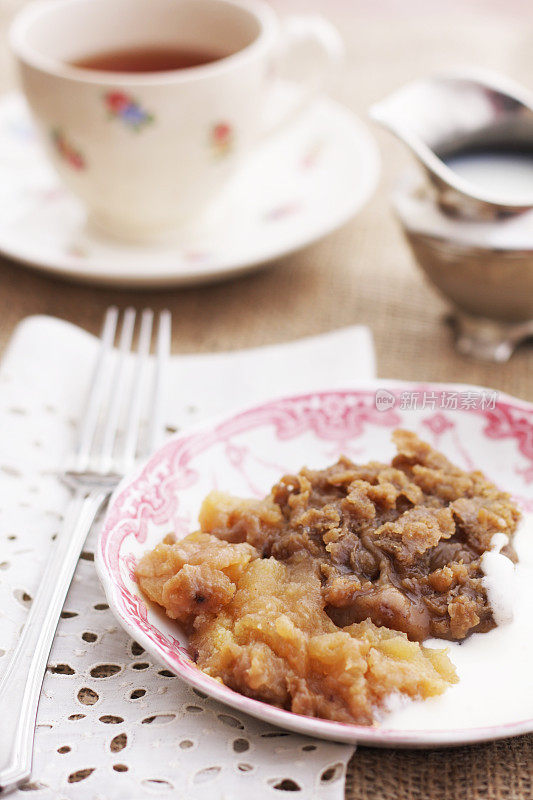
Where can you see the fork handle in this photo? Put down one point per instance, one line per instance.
(20, 687)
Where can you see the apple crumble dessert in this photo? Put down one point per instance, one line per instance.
(317, 598)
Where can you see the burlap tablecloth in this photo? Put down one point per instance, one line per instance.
(362, 274)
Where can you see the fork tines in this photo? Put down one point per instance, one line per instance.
(124, 408)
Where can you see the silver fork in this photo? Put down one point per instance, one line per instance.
(101, 458)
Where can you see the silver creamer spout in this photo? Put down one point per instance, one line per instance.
(457, 126)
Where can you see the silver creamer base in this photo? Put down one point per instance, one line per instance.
(483, 268)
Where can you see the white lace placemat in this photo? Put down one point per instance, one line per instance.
(113, 725)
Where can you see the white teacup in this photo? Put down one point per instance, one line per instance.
(147, 151)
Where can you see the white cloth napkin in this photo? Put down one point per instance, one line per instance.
(139, 732)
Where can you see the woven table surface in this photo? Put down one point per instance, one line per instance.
(361, 274)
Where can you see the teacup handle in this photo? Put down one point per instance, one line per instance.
(325, 50)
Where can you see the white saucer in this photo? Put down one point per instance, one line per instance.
(297, 187)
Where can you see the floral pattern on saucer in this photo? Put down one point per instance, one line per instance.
(282, 211)
(312, 154)
(123, 106)
(67, 151)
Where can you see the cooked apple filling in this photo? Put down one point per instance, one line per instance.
(317, 597)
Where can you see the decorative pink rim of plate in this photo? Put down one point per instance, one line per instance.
(152, 495)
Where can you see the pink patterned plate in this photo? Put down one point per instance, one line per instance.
(247, 452)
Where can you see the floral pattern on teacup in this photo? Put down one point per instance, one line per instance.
(67, 151)
(221, 138)
(123, 106)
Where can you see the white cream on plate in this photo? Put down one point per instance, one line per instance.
(495, 669)
(499, 580)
